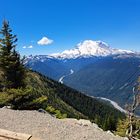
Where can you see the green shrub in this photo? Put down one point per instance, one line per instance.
(28, 98)
(4, 99)
(40, 99)
(50, 109)
(40, 102)
(123, 125)
(56, 112)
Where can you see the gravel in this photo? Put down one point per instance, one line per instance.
(46, 127)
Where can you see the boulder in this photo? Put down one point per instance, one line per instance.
(84, 122)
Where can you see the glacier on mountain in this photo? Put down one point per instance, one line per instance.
(90, 48)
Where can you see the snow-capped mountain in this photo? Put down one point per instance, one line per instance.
(90, 48)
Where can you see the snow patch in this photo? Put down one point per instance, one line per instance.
(62, 78)
(123, 86)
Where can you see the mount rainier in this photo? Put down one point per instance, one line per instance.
(90, 48)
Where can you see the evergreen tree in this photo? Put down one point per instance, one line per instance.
(10, 62)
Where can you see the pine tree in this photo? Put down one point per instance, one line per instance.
(10, 62)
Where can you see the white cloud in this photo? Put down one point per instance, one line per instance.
(24, 47)
(30, 47)
(45, 41)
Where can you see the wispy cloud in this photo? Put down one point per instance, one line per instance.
(45, 41)
(30, 47)
(24, 47)
(27, 47)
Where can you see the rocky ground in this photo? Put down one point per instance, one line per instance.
(46, 127)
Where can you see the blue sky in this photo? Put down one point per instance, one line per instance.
(68, 22)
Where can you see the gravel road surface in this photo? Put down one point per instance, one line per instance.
(46, 127)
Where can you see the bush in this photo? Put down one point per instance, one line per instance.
(27, 98)
(4, 99)
(40, 99)
(50, 109)
(123, 125)
(56, 112)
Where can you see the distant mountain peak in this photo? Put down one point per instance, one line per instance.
(90, 48)
(92, 43)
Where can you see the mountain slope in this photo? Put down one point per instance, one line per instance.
(47, 65)
(56, 68)
(109, 77)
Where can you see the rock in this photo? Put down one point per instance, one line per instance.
(42, 110)
(109, 132)
(126, 138)
(84, 122)
(7, 107)
(96, 126)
